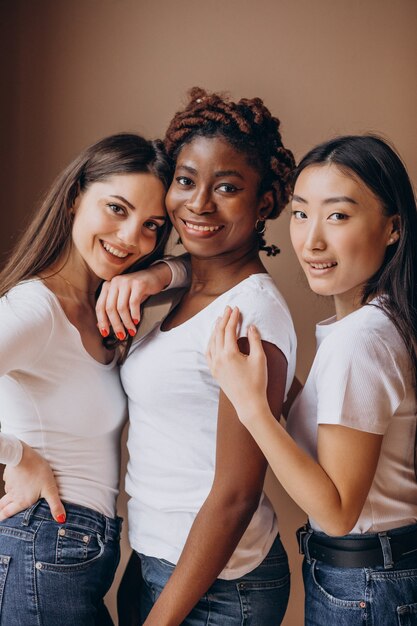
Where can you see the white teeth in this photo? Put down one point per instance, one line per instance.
(118, 253)
(322, 266)
(202, 228)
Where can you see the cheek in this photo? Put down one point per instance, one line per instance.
(297, 240)
(171, 200)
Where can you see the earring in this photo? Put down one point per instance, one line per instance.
(393, 239)
(260, 226)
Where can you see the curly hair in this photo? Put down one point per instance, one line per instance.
(250, 128)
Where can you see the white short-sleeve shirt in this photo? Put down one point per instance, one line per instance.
(58, 399)
(173, 405)
(361, 378)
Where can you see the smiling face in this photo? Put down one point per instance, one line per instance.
(116, 223)
(339, 233)
(213, 201)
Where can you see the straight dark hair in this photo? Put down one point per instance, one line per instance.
(373, 161)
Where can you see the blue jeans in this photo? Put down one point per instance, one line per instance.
(56, 574)
(259, 598)
(374, 596)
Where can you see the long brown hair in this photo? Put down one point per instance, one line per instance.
(48, 235)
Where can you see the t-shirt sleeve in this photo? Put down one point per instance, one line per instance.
(360, 382)
(26, 324)
(180, 268)
(266, 311)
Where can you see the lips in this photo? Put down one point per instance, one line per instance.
(315, 265)
(115, 252)
(200, 230)
(206, 228)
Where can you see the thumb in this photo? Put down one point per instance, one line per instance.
(54, 501)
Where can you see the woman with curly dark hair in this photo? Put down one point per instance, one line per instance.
(203, 528)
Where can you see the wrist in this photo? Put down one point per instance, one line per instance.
(163, 272)
(254, 411)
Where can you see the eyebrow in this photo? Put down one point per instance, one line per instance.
(218, 174)
(333, 200)
(155, 217)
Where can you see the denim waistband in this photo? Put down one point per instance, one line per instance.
(367, 550)
(109, 528)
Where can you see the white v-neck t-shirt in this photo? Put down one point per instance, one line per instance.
(58, 399)
(173, 405)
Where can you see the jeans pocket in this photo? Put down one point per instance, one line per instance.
(329, 583)
(4, 568)
(407, 615)
(73, 546)
(74, 550)
(264, 602)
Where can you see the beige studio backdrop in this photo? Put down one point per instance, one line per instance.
(75, 70)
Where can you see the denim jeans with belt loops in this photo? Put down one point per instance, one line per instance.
(56, 574)
(259, 598)
(385, 595)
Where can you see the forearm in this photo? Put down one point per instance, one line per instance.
(11, 450)
(212, 540)
(301, 476)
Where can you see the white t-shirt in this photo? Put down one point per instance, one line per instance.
(173, 406)
(58, 399)
(361, 378)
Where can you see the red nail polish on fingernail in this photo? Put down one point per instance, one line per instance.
(120, 335)
(104, 332)
(136, 322)
(61, 518)
(131, 332)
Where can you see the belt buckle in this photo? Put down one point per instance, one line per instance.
(301, 533)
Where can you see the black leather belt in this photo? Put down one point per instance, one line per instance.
(357, 551)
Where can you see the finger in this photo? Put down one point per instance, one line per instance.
(55, 504)
(11, 508)
(4, 501)
(137, 296)
(114, 317)
(220, 328)
(256, 350)
(230, 333)
(102, 319)
(123, 309)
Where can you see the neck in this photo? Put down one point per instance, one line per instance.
(215, 275)
(67, 280)
(347, 303)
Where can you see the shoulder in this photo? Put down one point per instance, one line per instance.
(29, 302)
(261, 304)
(366, 332)
(260, 293)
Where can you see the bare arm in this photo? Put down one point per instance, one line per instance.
(228, 509)
(120, 300)
(333, 490)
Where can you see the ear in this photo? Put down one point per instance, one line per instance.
(394, 235)
(265, 205)
(74, 206)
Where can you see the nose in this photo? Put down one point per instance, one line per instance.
(130, 234)
(200, 202)
(315, 239)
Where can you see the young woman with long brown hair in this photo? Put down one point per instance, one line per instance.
(62, 405)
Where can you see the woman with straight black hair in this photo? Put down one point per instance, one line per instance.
(352, 466)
